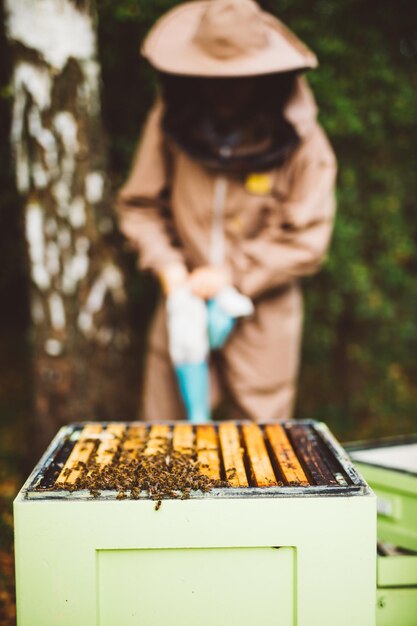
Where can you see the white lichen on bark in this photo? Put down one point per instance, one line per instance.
(88, 91)
(57, 311)
(36, 240)
(66, 129)
(94, 187)
(54, 28)
(77, 215)
(36, 81)
(50, 141)
(110, 281)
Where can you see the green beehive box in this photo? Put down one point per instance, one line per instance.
(391, 469)
(289, 541)
(397, 589)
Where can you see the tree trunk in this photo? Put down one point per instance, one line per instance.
(81, 337)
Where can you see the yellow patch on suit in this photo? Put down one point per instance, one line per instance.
(259, 184)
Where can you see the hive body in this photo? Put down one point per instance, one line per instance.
(275, 555)
(391, 470)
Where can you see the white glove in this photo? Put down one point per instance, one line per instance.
(234, 303)
(187, 327)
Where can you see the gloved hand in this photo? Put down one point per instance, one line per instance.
(206, 281)
(188, 348)
(223, 311)
(172, 276)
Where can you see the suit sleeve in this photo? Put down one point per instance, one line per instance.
(295, 240)
(143, 205)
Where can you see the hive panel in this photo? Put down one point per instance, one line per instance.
(282, 453)
(208, 451)
(232, 452)
(158, 439)
(109, 445)
(307, 447)
(133, 444)
(260, 466)
(233, 457)
(183, 439)
(79, 456)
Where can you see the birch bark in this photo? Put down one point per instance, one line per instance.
(78, 294)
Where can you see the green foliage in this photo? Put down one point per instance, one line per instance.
(359, 367)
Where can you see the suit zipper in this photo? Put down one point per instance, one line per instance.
(217, 243)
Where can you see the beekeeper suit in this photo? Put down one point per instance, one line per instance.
(245, 200)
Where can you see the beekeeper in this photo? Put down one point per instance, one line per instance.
(232, 189)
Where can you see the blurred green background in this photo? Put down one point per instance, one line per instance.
(359, 368)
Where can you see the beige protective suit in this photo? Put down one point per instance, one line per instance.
(274, 228)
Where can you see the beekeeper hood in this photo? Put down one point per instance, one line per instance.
(224, 38)
(230, 75)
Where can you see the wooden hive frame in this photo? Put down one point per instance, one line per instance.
(246, 456)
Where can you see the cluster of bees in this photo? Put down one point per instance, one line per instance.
(162, 475)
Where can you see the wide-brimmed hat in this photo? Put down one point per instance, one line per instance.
(224, 38)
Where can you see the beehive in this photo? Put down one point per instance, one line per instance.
(391, 469)
(285, 536)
